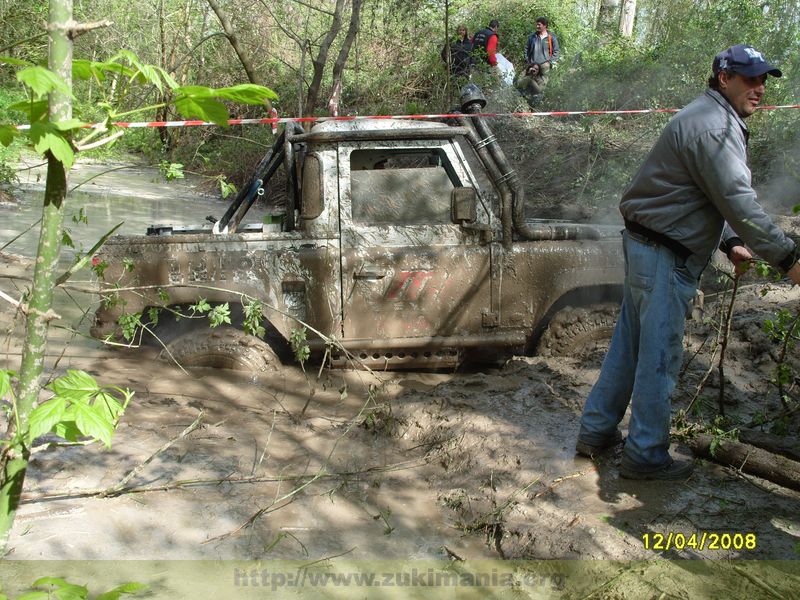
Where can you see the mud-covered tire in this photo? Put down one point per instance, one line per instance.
(222, 348)
(579, 332)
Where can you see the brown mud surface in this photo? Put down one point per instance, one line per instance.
(348, 465)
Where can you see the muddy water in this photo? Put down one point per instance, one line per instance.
(252, 428)
(108, 195)
(102, 197)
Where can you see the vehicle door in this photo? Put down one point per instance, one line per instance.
(408, 271)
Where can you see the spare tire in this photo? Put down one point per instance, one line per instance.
(221, 348)
(579, 331)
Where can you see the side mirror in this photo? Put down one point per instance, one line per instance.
(463, 205)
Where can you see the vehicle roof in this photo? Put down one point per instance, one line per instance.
(373, 124)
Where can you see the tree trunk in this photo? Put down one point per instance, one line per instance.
(321, 59)
(750, 459)
(627, 18)
(162, 114)
(15, 456)
(448, 58)
(786, 446)
(344, 53)
(607, 18)
(231, 35)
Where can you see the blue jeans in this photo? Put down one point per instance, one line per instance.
(643, 360)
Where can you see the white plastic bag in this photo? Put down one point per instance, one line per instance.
(506, 69)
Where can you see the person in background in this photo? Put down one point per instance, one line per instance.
(541, 48)
(484, 42)
(692, 194)
(460, 59)
(531, 85)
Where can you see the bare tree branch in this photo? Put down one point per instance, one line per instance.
(341, 60)
(321, 59)
(231, 35)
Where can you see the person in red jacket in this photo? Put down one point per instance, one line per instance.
(484, 43)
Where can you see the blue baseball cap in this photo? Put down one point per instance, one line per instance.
(744, 60)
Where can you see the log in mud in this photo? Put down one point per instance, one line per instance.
(750, 459)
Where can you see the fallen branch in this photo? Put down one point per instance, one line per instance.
(9, 299)
(759, 583)
(115, 489)
(750, 459)
(215, 481)
(559, 480)
(776, 444)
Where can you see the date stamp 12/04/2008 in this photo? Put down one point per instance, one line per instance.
(704, 540)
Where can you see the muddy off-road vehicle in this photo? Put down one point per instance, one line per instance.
(390, 245)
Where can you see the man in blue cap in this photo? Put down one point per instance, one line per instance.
(692, 195)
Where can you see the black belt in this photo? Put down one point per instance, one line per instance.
(676, 248)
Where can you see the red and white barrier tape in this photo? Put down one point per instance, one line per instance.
(275, 120)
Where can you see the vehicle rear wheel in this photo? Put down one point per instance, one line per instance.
(579, 332)
(222, 348)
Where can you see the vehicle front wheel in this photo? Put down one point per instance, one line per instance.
(579, 331)
(222, 348)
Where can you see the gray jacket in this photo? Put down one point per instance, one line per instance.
(696, 179)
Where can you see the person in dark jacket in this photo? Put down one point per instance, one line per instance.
(460, 58)
(484, 43)
(692, 194)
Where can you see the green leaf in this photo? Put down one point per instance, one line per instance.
(44, 417)
(171, 83)
(35, 111)
(34, 596)
(131, 57)
(246, 93)
(7, 134)
(202, 107)
(219, 314)
(93, 423)
(67, 430)
(194, 91)
(108, 406)
(201, 306)
(56, 581)
(42, 81)
(5, 382)
(10, 60)
(130, 323)
(75, 385)
(115, 68)
(152, 315)
(69, 124)
(126, 588)
(46, 138)
(86, 69)
(72, 592)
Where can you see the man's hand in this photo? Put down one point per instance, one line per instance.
(794, 273)
(740, 256)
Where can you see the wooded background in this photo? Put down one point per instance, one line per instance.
(383, 57)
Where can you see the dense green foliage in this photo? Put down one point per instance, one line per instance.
(394, 64)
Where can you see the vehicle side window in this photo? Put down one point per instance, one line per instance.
(399, 188)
